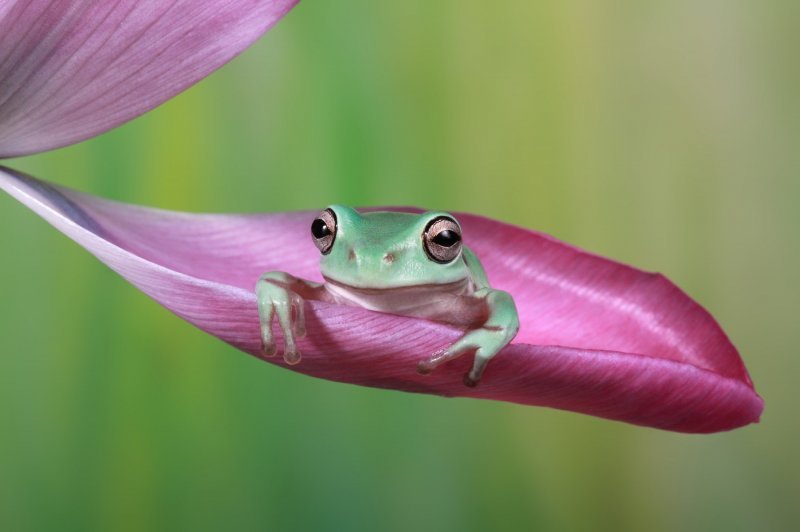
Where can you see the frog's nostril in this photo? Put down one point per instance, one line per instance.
(352, 255)
(388, 258)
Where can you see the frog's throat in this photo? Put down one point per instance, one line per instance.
(446, 302)
(460, 287)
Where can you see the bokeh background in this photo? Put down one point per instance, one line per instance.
(662, 134)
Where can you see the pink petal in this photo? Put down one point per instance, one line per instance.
(597, 337)
(71, 70)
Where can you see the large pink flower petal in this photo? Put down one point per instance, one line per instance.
(71, 70)
(597, 337)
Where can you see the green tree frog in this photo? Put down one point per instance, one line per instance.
(399, 263)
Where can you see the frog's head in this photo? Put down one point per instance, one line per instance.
(388, 249)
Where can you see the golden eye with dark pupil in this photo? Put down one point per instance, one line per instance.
(442, 240)
(323, 229)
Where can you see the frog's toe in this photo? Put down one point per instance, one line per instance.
(292, 356)
(482, 357)
(470, 380)
(298, 317)
(425, 367)
(268, 348)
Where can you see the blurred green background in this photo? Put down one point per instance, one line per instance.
(662, 134)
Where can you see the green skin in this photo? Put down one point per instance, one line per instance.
(378, 262)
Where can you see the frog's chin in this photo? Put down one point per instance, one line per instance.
(452, 287)
(431, 300)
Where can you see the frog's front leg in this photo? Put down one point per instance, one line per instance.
(486, 341)
(281, 294)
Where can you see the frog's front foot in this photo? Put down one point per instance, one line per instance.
(274, 298)
(485, 342)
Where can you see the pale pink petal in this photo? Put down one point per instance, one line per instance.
(597, 337)
(71, 70)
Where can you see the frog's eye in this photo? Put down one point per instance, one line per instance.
(323, 229)
(442, 238)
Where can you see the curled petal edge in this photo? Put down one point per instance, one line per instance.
(356, 346)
